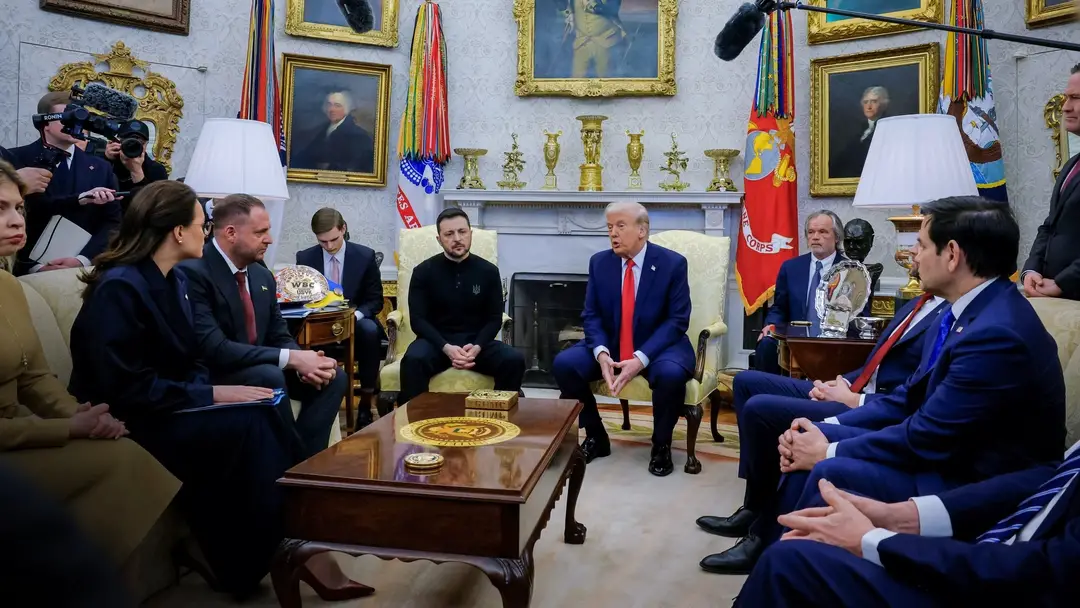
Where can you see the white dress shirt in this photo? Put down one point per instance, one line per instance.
(283, 357)
(639, 260)
(327, 258)
(82, 258)
(958, 308)
(333, 127)
(934, 520)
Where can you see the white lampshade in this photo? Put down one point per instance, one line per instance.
(913, 160)
(235, 156)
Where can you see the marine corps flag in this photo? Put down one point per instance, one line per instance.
(770, 217)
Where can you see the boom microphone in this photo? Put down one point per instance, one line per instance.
(358, 15)
(117, 105)
(739, 31)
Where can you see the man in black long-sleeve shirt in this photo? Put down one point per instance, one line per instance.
(455, 308)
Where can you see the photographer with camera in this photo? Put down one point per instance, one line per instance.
(133, 168)
(65, 183)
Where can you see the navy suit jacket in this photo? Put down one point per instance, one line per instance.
(1039, 572)
(219, 315)
(993, 403)
(904, 357)
(133, 346)
(62, 198)
(361, 279)
(792, 283)
(661, 307)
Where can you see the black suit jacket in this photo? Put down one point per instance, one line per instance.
(348, 148)
(62, 198)
(361, 279)
(1055, 254)
(219, 315)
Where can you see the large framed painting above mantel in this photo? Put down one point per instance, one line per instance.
(595, 48)
(170, 16)
(822, 28)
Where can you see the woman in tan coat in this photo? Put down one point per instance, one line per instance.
(75, 453)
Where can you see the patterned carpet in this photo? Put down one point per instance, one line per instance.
(641, 425)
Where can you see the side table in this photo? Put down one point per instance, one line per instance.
(333, 327)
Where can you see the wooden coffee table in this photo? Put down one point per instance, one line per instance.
(485, 507)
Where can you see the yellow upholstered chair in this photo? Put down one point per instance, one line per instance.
(707, 273)
(414, 246)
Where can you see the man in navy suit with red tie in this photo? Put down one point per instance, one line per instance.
(637, 308)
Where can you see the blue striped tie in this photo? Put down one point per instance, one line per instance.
(1011, 525)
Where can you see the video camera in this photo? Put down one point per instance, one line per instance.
(113, 110)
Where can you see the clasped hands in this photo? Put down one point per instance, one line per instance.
(95, 422)
(462, 357)
(313, 366)
(834, 390)
(628, 369)
(1035, 286)
(802, 446)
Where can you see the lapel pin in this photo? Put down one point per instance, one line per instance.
(653, 268)
(263, 287)
(960, 329)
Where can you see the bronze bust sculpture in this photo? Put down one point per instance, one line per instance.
(858, 241)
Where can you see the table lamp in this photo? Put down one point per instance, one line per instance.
(912, 160)
(235, 156)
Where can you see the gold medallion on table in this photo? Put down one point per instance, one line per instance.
(424, 463)
(460, 431)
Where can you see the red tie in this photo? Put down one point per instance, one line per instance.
(626, 327)
(868, 371)
(1070, 176)
(249, 308)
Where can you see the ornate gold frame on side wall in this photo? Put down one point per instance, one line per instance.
(820, 30)
(124, 14)
(1062, 150)
(926, 56)
(386, 34)
(1039, 15)
(159, 101)
(527, 84)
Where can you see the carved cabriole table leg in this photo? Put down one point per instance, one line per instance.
(574, 533)
(512, 577)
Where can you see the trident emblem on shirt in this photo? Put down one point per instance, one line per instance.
(475, 290)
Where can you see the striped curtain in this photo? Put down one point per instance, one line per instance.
(260, 98)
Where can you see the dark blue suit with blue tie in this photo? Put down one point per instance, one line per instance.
(991, 402)
(927, 571)
(661, 317)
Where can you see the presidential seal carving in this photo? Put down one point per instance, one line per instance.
(460, 431)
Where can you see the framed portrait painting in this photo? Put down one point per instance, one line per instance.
(1041, 13)
(170, 16)
(1066, 145)
(324, 20)
(337, 119)
(849, 94)
(821, 27)
(595, 48)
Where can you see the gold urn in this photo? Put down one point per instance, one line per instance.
(551, 158)
(721, 180)
(470, 179)
(635, 152)
(592, 179)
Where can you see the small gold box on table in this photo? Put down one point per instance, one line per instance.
(491, 400)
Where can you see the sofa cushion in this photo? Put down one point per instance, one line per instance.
(1062, 319)
(62, 291)
(52, 339)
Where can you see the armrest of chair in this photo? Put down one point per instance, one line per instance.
(507, 330)
(394, 320)
(707, 349)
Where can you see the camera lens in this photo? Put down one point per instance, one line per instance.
(131, 147)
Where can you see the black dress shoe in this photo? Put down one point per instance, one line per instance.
(660, 464)
(739, 559)
(595, 447)
(736, 525)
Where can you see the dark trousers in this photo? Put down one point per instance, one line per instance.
(809, 573)
(575, 369)
(765, 405)
(229, 461)
(319, 407)
(767, 356)
(367, 347)
(422, 361)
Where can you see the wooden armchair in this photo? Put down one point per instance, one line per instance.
(707, 266)
(414, 246)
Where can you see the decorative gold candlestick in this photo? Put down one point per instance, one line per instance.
(592, 179)
(635, 151)
(470, 180)
(676, 164)
(721, 180)
(515, 163)
(551, 158)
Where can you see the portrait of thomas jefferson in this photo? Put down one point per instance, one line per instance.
(335, 139)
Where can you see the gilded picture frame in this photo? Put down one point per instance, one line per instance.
(337, 120)
(822, 28)
(329, 24)
(169, 16)
(1066, 145)
(845, 90)
(1042, 13)
(550, 64)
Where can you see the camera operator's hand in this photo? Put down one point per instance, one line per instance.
(135, 166)
(112, 150)
(36, 180)
(98, 196)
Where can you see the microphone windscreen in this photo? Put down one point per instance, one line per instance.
(739, 31)
(358, 14)
(114, 103)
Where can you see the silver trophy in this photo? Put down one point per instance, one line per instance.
(841, 295)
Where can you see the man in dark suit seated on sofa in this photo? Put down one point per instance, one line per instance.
(355, 268)
(242, 337)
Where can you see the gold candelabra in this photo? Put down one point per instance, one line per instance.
(721, 181)
(635, 152)
(470, 179)
(592, 178)
(551, 158)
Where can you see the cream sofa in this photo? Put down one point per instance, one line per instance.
(54, 299)
(1062, 320)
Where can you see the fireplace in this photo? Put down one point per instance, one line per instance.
(547, 318)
